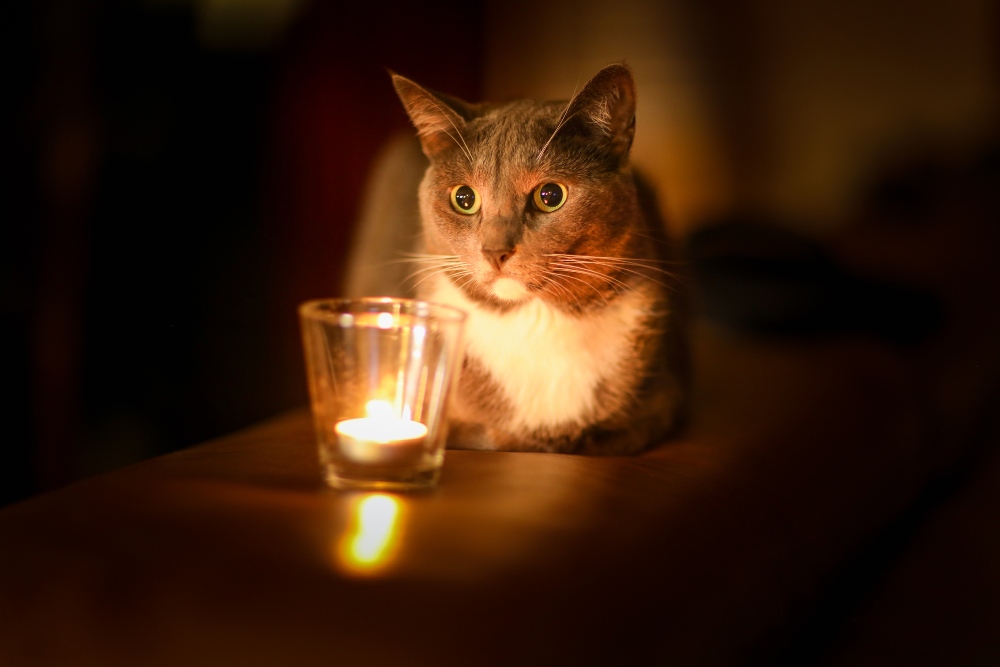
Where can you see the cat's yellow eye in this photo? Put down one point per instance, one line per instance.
(465, 199)
(549, 197)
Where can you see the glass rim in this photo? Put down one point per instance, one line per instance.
(319, 309)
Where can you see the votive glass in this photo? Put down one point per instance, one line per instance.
(380, 372)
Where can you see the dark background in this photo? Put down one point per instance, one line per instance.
(175, 183)
(169, 196)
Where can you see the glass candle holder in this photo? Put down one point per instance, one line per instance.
(380, 371)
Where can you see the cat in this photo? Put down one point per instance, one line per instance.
(533, 223)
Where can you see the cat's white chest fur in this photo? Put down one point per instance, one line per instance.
(547, 363)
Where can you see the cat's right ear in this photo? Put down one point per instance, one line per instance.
(438, 120)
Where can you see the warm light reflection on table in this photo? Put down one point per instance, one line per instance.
(372, 534)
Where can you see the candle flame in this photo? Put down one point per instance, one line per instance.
(377, 409)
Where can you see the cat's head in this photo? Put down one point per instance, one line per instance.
(516, 192)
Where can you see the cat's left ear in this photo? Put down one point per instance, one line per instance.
(606, 108)
(439, 119)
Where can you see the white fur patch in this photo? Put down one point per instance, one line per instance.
(546, 362)
(509, 289)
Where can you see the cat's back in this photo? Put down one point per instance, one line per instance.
(388, 224)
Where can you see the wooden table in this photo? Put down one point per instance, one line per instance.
(807, 520)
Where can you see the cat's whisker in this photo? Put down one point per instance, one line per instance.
(645, 263)
(391, 262)
(558, 290)
(423, 257)
(626, 268)
(464, 146)
(631, 268)
(587, 269)
(561, 292)
(415, 257)
(438, 264)
(649, 278)
(551, 282)
(583, 270)
(562, 121)
(564, 118)
(426, 263)
(618, 290)
(635, 267)
(430, 263)
(584, 282)
(554, 295)
(425, 278)
(446, 261)
(431, 271)
(469, 278)
(452, 272)
(645, 276)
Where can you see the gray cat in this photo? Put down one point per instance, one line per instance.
(533, 223)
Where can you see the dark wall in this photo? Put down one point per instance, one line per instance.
(169, 197)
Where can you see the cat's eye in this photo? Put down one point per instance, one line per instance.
(465, 199)
(549, 196)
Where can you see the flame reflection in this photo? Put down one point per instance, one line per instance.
(372, 535)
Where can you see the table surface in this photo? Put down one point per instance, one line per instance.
(810, 521)
(835, 500)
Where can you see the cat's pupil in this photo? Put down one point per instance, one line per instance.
(551, 195)
(465, 197)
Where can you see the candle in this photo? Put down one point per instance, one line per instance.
(405, 354)
(381, 438)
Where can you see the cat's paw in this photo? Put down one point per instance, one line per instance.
(465, 435)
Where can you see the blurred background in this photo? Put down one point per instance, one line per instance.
(178, 175)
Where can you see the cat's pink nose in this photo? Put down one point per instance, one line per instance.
(497, 258)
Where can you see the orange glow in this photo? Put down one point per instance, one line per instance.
(368, 545)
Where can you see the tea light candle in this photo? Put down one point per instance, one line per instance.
(381, 438)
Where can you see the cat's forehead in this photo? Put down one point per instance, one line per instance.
(518, 112)
(507, 137)
(514, 125)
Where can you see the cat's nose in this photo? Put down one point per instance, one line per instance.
(497, 258)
